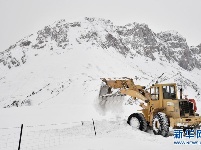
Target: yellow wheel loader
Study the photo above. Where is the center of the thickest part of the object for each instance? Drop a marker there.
(161, 107)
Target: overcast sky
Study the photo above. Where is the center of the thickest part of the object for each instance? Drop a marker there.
(19, 18)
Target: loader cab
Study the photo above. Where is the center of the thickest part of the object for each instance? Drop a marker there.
(163, 91)
(161, 94)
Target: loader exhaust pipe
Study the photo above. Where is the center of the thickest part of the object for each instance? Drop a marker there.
(181, 93)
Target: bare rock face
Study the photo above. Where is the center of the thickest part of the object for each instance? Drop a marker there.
(57, 33)
(139, 38)
(173, 39)
(196, 50)
(129, 40)
(187, 57)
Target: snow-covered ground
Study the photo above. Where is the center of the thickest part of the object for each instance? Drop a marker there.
(113, 134)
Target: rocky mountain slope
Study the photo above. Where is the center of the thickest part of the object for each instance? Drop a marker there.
(131, 39)
(55, 58)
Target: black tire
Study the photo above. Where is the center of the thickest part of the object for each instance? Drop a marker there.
(142, 121)
(160, 124)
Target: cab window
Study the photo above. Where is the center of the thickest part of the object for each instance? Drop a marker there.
(154, 93)
(169, 92)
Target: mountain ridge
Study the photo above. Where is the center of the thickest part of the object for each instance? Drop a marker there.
(133, 38)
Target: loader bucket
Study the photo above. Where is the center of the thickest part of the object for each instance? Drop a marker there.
(110, 99)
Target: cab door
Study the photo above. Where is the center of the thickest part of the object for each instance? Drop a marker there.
(155, 102)
(154, 91)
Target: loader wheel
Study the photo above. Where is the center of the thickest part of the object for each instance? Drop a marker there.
(137, 120)
(160, 124)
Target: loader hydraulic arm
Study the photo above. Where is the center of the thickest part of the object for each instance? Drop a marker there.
(126, 86)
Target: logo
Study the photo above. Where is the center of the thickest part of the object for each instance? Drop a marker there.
(187, 137)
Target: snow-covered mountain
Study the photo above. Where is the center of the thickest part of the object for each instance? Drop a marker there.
(59, 69)
(63, 62)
